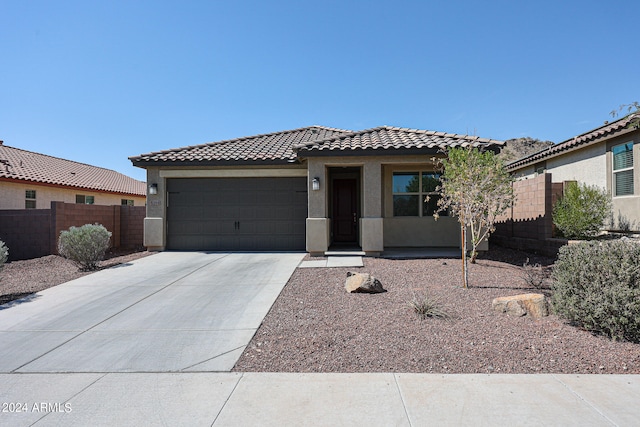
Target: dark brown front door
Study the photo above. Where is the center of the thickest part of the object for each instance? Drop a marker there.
(345, 211)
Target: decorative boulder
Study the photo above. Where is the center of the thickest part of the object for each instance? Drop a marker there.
(535, 305)
(363, 283)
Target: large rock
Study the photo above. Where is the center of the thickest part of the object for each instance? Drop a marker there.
(535, 305)
(363, 282)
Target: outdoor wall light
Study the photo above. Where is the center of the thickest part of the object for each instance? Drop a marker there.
(153, 189)
(315, 184)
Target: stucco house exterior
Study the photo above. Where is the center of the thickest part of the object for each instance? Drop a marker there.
(311, 188)
(607, 157)
(31, 180)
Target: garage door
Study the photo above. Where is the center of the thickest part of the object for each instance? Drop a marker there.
(237, 214)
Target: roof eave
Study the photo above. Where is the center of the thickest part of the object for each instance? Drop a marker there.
(564, 147)
(236, 162)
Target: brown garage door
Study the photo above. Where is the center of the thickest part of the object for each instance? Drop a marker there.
(236, 214)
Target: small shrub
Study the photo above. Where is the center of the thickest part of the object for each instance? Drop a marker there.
(582, 211)
(4, 254)
(596, 285)
(533, 275)
(84, 245)
(428, 307)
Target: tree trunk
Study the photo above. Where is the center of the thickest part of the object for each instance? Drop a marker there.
(465, 271)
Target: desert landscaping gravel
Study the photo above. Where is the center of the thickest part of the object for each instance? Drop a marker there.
(19, 279)
(316, 326)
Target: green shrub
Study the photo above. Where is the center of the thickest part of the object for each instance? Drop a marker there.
(596, 285)
(582, 211)
(84, 245)
(4, 254)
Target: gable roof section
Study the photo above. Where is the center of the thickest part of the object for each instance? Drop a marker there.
(21, 165)
(270, 148)
(286, 146)
(392, 140)
(608, 130)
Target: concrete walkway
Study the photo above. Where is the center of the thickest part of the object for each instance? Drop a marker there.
(148, 343)
(263, 399)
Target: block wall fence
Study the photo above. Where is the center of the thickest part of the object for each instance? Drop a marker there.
(32, 233)
(528, 225)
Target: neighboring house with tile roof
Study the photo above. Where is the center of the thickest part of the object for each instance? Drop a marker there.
(31, 180)
(607, 157)
(311, 188)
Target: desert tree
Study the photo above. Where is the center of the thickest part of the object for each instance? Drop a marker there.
(475, 187)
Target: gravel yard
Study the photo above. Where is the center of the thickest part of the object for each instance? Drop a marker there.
(316, 326)
(21, 278)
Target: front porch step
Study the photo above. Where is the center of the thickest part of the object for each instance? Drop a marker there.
(344, 253)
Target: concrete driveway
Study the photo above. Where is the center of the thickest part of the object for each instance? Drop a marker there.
(169, 312)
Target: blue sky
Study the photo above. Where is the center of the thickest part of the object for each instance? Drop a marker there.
(99, 81)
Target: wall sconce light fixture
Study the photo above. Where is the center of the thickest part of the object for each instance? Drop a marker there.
(315, 184)
(153, 189)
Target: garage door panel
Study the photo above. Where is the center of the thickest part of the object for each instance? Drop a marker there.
(237, 214)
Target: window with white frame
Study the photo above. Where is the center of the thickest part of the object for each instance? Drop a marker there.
(414, 193)
(30, 199)
(622, 169)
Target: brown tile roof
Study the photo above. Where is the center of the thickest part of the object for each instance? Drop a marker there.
(387, 138)
(21, 165)
(284, 147)
(596, 135)
(270, 148)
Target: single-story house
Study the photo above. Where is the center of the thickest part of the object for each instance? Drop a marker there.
(607, 157)
(31, 180)
(304, 189)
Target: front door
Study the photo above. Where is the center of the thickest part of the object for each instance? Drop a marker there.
(345, 211)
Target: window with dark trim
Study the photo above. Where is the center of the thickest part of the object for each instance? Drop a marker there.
(622, 169)
(415, 194)
(84, 200)
(30, 199)
(126, 202)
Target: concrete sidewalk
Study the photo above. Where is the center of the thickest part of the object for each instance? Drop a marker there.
(272, 399)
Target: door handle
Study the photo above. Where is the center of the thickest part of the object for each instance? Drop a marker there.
(355, 220)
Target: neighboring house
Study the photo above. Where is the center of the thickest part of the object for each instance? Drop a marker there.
(310, 188)
(31, 180)
(607, 157)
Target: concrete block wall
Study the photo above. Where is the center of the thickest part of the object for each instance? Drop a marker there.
(132, 226)
(26, 232)
(529, 223)
(32, 233)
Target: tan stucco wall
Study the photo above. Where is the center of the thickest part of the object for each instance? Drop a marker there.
(12, 196)
(417, 232)
(588, 166)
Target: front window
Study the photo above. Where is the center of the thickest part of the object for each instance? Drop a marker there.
(414, 193)
(30, 199)
(84, 200)
(126, 202)
(623, 169)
